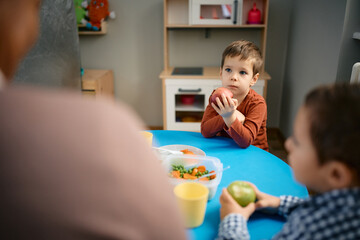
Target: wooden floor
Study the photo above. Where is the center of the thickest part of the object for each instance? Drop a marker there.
(276, 142)
(275, 139)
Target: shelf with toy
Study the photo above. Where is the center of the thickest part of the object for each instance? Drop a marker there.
(91, 16)
(84, 31)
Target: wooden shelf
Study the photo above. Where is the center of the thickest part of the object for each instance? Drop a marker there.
(98, 82)
(189, 108)
(171, 26)
(208, 73)
(102, 31)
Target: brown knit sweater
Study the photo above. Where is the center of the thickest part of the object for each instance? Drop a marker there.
(252, 132)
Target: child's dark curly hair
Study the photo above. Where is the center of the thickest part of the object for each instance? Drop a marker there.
(334, 112)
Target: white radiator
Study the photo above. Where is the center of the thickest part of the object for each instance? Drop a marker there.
(355, 74)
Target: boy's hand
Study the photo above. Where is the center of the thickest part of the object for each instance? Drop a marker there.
(229, 205)
(226, 108)
(265, 200)
(240, 116)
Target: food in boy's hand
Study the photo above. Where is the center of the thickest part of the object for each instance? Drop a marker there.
(187, 151)
(242, 192)
(218, 92)
(179, 171)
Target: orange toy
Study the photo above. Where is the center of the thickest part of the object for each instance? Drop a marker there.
(98, 12)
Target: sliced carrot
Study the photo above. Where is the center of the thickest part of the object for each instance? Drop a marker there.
(184, 151)
(201, 168)
(175, 174)
(194, 172)
(189, 176)
(204, 179)
(187, 151)
(212, 176)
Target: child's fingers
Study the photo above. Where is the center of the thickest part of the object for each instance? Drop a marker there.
(261, 204)
(226, 197)
(259, 195)
(225, 101)
(219, 103)
(215, 107)
(251, 207)
(236, 102)
(254, 187)
(230, 101)
(223, 196)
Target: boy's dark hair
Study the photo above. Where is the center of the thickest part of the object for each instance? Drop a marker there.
(245, 50)
(334, 115)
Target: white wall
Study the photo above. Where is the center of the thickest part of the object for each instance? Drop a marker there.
(313, 52)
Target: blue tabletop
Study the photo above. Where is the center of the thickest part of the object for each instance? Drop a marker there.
(269, 173)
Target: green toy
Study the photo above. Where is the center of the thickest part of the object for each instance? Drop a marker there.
(81, 11)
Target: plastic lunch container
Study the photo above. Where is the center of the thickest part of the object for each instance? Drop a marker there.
(190, 161)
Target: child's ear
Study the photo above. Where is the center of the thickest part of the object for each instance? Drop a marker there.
(220, 71)
(254, 79)
(339, 175)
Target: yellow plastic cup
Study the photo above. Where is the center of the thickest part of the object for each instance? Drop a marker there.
(148, 136)
(192, 199)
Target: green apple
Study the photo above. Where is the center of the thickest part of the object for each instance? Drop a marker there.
(242, 192)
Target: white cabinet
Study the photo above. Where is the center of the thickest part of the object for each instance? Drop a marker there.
(186, 100)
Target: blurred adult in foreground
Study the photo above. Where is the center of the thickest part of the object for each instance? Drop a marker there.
(72, 168)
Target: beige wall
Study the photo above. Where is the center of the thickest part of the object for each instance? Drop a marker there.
(133, 48)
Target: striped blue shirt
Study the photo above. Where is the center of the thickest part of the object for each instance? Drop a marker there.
(332, 215)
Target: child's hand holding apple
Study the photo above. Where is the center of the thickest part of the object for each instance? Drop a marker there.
(230, 205)
(225, 105)
(239, 197)
(218, 94)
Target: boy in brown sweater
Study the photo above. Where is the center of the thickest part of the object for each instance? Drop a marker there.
(242, 117)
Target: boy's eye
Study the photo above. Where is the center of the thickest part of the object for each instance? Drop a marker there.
(227, 70)
(243, 73)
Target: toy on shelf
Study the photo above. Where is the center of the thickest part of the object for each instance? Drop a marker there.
(81, 11)
(98, 12)
(254, 16)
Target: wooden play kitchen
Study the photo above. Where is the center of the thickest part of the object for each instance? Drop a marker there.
(188, 85)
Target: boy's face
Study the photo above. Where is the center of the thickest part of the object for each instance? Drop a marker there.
(237, 75)
(302, 155)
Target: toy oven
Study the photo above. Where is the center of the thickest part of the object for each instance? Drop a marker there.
(220, 12)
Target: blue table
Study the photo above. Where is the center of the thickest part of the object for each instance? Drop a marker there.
(269, 173)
